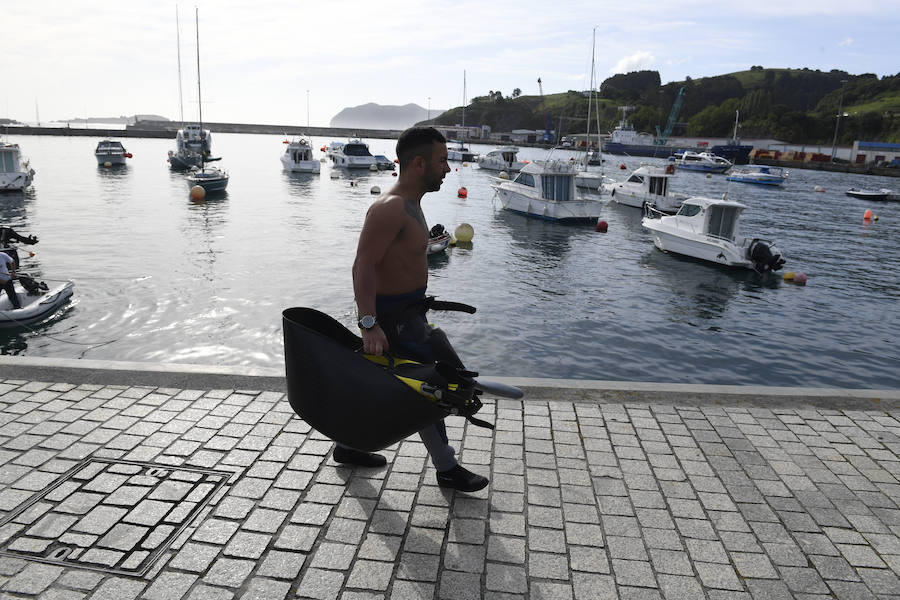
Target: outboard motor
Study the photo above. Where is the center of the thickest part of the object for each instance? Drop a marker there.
(765, 256)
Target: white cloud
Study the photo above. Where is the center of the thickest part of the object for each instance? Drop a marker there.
(846, 41)
(635, 62)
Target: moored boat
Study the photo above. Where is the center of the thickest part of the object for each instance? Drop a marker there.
(647, 185)
(457, 151)
(547, 190)
(16, 173)
(759, 174)
(709, 229)
(869, 194)
(703, 162)
(502, 159)
(211, 179)
(298, 157)
(111, 152)
(352, 155)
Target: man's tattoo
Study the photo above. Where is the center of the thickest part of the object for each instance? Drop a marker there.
(415, 211)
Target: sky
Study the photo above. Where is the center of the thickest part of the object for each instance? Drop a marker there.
(301, 62)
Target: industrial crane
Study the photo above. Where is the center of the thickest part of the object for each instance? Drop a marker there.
(662, 138)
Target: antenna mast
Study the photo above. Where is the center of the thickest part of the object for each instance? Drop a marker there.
(199, 99)
(178, 42)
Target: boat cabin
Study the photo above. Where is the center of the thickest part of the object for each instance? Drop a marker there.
(715, 218)
(300, 151)
(10, 158)
(110, 147)
(552, 180)
(356, 148)
(653, 180)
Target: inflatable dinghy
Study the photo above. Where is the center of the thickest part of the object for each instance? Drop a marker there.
(364, 401)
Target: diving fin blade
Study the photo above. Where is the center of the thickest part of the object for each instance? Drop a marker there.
(495, 388)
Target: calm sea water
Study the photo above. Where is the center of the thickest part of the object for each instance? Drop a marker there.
(161, 279)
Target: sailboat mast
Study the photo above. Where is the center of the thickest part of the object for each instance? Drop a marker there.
(199, 99)
(178, 42)
(587, 135)
(737, 115)
(464, 104)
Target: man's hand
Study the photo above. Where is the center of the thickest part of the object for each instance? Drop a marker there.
(374, 340)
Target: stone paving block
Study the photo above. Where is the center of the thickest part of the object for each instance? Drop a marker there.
(370, 575)
(505, 578)
(718, 576)
(330, 555)
(833, 567)
(588, 586)
(168, 585)
(633, 573)
(118, 588)
(418, 567)
(464, 557)
(320, 584)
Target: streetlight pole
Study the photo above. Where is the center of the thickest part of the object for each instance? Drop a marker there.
(429, 109)
(838, 122)
(307, 109)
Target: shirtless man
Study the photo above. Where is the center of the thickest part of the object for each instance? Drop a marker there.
(390, 275)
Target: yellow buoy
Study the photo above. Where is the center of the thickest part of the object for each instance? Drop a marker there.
(465, 164)
(503, 175)
(464, 232)
(107, 164)
(198, 193)
(788, 275)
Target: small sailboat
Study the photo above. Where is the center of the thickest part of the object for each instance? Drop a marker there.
(211, 179)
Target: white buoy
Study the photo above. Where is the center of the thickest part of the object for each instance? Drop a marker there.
(335, 175)
(375, 190)
(373, 167)
(503, 175)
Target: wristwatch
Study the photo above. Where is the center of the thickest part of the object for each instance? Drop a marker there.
(367, 322)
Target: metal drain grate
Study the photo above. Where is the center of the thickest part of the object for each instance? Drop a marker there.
(114, 516)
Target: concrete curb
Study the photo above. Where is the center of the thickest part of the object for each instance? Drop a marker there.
(190, 376)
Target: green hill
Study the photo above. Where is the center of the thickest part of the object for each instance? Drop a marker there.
(795, 105)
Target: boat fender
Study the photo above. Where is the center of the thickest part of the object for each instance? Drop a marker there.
(670, 169)
(612, 193)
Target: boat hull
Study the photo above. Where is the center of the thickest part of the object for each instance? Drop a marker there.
(870, 194)
(183, 161)
(548, 210)
(707, 248)
(34, 308)
(353, 162)
(302, 166)
(15, 182)
(703, 168)
(113, 159)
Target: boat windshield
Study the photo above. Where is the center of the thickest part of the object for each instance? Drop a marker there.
(556, 187)
(635, 179)
(525, 179)
(356, 150)
(722, 220)
(689, 210)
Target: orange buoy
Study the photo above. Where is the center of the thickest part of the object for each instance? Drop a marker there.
(322, 148)
(602, 226)
(462, 192)
(867, 216)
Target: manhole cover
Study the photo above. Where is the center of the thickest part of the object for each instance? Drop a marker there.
(114, 516)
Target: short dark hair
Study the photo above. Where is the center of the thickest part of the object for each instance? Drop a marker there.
(417, 141)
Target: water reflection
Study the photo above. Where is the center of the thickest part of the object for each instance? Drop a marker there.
(205, 219)
(541, 242)
(300, 184)
(13, 205)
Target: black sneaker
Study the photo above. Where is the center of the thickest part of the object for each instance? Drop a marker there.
(350, 456)
(461, 479)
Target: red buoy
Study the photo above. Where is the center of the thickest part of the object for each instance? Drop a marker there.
(602, 226)
(462, 192)
(622, 166)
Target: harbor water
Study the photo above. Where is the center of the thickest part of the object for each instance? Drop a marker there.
(159, 278)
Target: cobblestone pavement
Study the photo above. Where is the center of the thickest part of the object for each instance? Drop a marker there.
(117, 492)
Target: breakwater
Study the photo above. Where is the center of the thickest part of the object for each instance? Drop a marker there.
(856, 169)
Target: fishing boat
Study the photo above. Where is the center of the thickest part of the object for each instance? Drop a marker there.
(647, 185)
(546, 190)
(193, 147)
(502, 159)
(384, 163)
(298, 157)
(709, 229)
(759, 174)
(438, 240)
(703, 162)
(35, 306)
(869, 194)
(15, 172)
(352, 155)
(111, 152)
(592, 180)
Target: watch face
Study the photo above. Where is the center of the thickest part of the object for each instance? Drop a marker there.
(367, 322)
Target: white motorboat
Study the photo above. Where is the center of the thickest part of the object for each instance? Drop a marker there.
(15, 172)
(759, 174)
(111, 152)
(592, 180)
(502, 159)
(457, 151)
(866, 194)
(384, 163)
(704, 162)
(331, 148)
(438, 240)
(36, 306)
(211, 179)
(353, 155)
(647, 185)
(709, 229)
(298, 157)
(546, 190)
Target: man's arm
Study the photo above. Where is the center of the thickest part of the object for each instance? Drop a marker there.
(383, 224)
